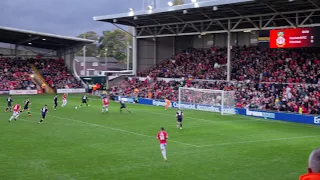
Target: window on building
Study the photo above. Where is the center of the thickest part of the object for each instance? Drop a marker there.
(95, 64)
(82, 73)
(82, 64)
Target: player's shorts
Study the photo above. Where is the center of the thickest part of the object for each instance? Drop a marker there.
(15, 114)
(123, 106)
(106, 106)
(55, 102)
(26, 107)
(179, 120)
(163, 146)
(43, 115)
(84, 101)
(64, 100)
(9, 105)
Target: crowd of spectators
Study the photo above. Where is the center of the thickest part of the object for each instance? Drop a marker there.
(56, 74)
(15, 74)
(266, 96)
(248, 63)
(270, 79)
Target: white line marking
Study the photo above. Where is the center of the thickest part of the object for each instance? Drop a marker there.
(77, 125)
(116, 129)
(256, 141)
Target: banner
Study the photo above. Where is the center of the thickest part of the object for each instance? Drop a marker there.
(21, 92)
(289, 117)
(71, 90)
(4, 92)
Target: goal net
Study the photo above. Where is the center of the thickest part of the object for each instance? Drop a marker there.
(207, 100)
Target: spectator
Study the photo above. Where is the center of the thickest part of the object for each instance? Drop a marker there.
(313, 166)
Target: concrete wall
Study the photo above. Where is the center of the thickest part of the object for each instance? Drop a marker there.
(165, 48)
(146, 53)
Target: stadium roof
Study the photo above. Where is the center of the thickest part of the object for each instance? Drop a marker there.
(219, 16)
(40, 40)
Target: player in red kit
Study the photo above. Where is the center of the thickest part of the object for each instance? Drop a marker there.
(16, 112)
(162, 137)
(105, 102)
(64, 100)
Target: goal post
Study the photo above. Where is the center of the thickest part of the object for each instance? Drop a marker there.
(207, 100)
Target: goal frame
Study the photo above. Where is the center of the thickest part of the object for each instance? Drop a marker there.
(206, 90)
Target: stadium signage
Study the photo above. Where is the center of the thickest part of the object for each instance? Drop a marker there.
(289, 117)
(4, 92)
(316, 120)
(71, 90)
(129, 100)
(22, 92)
(260, 114)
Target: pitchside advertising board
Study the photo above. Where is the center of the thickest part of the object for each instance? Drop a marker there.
(71, 91)
(290, 38)
(297, 118)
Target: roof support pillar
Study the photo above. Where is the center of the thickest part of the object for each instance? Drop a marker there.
(16, 50)
(155, 51)
(134, 51)
(229, 51)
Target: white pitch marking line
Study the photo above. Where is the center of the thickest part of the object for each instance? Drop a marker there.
(77, 125)
(121, 130)
(256, 141)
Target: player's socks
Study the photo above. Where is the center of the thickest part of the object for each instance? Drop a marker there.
(180, 125)
(164, 154)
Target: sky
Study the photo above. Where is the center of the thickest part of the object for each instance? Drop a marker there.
(66, 17)
(62, 17)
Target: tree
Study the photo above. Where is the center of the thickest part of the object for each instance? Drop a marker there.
(91, 49)
(178, 2)
(115, 42)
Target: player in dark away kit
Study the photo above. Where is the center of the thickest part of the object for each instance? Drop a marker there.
(84, 100)
(9, 100)
(26, 106)
(179, 115)
(44, 111)
(55, 102)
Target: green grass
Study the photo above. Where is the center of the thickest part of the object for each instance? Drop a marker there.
(85, 144)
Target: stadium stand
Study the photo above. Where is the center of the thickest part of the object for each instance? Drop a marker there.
(263, 78)
(56, 73)
(15, 74)
(248, 63)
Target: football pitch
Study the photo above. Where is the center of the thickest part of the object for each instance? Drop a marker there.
(85, 144)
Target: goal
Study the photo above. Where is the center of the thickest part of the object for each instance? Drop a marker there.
(207, 100)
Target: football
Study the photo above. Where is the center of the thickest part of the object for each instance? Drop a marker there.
(76, 107)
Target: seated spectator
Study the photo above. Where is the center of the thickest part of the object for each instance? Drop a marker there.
(313, 166)
(15, 74)
(56, 74)
(252, 64)
(266, 96)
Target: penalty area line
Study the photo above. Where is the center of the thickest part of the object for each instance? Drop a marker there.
(121, 130)
(256, 141)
